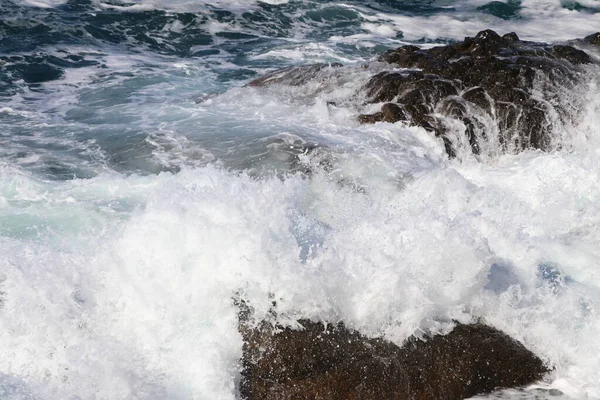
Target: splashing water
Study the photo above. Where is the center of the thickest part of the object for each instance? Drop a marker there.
(142, 186)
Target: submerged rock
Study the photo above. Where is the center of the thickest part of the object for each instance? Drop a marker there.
(293, 76)
(325, 361)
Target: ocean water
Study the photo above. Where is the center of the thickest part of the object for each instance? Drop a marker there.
(143, 186)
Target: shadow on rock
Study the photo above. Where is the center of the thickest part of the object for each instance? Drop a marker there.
(330, 361)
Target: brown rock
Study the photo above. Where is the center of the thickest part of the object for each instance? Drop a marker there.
(511, 37)
(571, 54)
(370, 118)
(325, 361)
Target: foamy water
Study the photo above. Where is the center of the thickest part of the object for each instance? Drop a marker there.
(142, 191)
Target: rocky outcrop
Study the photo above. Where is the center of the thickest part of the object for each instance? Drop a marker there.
(330, 361)
(499, 78)
(484, 85)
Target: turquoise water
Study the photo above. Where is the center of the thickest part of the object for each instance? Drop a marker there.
(142, 185)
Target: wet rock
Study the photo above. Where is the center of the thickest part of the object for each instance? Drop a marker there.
(511, 82)
(293, 76)
(455, 107)
(458, 108)
(331, 361)
(403, 86)
(370, 118)
(478, 96)
(571, 54)
(593, 39)
(404, 55)
(511, 37)
(495, 73)
(390, 112)
(416, 92)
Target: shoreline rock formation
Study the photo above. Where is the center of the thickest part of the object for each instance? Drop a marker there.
(489, 84)
(484, 85)
(488, 75)
(331, 362)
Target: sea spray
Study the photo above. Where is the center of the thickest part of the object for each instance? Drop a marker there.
(144, 186)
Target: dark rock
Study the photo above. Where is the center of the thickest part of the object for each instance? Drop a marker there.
(330, 361)
(478, 96)
(404, 55)
(386, 86)
(593, 39)
(418, 93)
(498, 73)
(511, 37)
(457, 108)
(370, 118)
(486, 43)
(293, 76)
(390, 112)
(454, 107)
(571, 54)
(535, 124)
(502, 77)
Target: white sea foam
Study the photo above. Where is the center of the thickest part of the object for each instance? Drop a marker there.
(536, 17)
(171, 5)
(44, 3)
(129, 279)
(184, 5)
(307, 53)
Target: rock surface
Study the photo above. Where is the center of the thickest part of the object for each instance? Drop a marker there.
(325, 361)
(593, 39)
(485, 85)
(503, 78)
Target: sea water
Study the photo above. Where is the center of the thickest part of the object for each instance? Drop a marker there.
(143, 186)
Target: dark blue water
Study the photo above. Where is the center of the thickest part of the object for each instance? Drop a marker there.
(43, 49)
